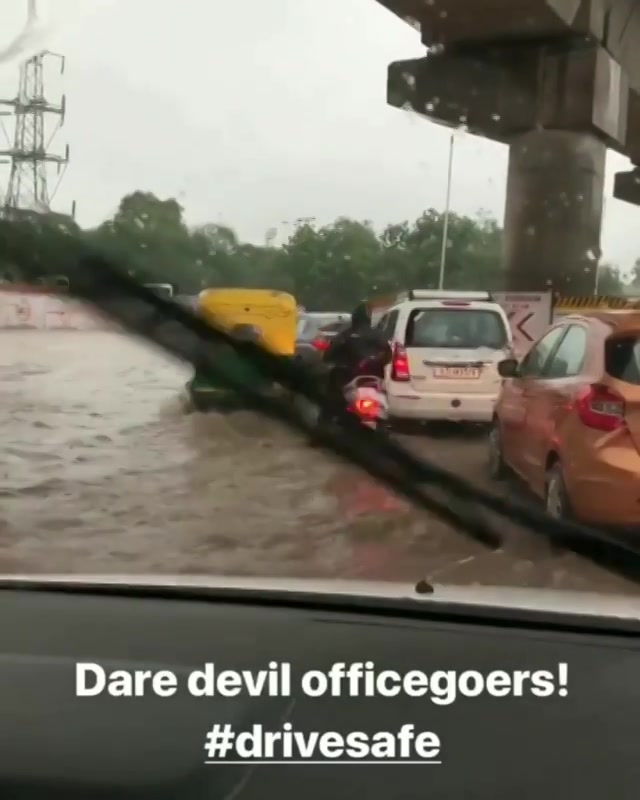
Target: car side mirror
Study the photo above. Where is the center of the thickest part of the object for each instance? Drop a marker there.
(509, 368)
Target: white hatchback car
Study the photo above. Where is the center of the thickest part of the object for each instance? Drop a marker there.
(446, 347)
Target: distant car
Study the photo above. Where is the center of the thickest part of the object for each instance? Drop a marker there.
(309, 323)
(316, 330)
(568, 422)
(316, 347)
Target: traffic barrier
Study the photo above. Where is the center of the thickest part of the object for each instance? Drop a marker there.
(602, 302)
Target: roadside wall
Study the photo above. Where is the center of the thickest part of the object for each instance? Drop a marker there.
(32, 308)
(39, 308)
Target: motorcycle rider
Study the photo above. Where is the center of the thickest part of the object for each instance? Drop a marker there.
(360, 349)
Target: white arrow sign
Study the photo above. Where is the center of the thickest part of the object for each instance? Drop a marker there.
(529, 315)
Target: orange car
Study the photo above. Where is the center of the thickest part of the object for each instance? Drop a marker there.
(568, 419)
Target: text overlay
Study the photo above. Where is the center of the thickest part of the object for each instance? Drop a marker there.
(358, 679)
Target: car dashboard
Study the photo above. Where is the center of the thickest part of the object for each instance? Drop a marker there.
(58, 745)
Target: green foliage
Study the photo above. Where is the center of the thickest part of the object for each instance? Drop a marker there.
(327, 268)
(37, 244)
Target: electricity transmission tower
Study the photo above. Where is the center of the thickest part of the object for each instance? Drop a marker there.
(28, 154)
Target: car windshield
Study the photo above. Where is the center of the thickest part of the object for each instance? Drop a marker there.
(300, 158)
(462, 329)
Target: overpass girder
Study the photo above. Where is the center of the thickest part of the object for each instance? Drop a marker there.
(511, 66)
(503, 92)
(480, 21)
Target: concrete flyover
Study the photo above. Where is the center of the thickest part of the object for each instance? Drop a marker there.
(559, 82)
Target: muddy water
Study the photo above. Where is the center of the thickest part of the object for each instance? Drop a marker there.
(102, 471)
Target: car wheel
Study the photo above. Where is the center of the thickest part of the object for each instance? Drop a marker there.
(497, 465)
(556, 499)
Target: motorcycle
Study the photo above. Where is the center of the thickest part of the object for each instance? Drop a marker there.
(367, 399)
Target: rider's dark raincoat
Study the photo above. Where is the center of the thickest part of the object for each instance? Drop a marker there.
(358, 350)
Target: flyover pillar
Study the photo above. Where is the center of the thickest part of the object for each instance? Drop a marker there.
(557, 81)
(553, 211)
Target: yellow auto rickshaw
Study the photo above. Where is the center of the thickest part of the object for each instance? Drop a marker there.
(264, 316)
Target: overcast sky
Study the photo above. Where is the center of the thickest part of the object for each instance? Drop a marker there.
(257, 112)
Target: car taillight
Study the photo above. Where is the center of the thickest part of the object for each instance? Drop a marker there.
(320, 343)
(399, 364)
(366, 407)
(600, 408)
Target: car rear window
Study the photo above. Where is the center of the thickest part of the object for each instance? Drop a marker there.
(467, 328)
(622, 359)
(332, 328)
(310, 327)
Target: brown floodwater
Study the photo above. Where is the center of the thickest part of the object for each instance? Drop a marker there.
(103, 471)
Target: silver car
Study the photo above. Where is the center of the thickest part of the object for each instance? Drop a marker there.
(314, 331)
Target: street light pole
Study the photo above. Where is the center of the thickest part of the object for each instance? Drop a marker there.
(598, 265)
(445, 227)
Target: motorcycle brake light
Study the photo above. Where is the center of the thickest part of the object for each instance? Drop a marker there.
(366, 407)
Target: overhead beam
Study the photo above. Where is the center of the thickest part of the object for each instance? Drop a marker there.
(501, 92)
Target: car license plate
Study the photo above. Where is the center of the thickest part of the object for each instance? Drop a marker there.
(457, 373)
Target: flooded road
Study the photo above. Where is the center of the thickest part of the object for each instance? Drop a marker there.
(102, 471)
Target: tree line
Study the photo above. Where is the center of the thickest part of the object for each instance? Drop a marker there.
(326, 268)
